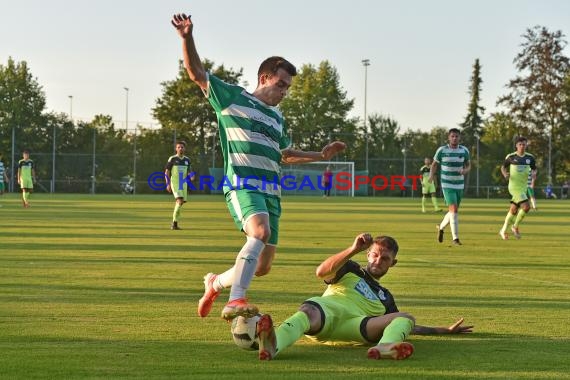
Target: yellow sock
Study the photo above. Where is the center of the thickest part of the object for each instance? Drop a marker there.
(520, 216)
(397, 331)
(291, 330)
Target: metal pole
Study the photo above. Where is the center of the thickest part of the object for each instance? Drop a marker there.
(214, 150)
(366, 63)
(53, 162)
(94, 165)
(550, 156)
(70, 107)
(134, 139)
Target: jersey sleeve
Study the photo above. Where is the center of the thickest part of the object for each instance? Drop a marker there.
(219, 93)
(349, 266)
(437, 155)
(467, 156)
(169, 164)
(507, 162)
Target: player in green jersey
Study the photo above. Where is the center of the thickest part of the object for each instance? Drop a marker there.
(254, 142)
(354, 309)
(454, 161)
(428, 188)
(26, 177)
(516, 169)
(176, 172)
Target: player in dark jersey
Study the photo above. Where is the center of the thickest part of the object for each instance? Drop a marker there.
(516, 169)
(176, 172)
(354, 308)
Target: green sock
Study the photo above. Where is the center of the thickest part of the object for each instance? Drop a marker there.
(397, 331)
(520, 216)
(291, 330)
(435, 205)
(423, 204)
(176, 212)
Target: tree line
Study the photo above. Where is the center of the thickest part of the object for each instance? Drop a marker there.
(536, 105)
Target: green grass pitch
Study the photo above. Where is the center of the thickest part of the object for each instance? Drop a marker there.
(99, 287)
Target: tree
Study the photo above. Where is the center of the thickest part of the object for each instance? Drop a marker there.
(316, 108)
(22, 102)
(471, 126)
(184, 108)
(536, 99)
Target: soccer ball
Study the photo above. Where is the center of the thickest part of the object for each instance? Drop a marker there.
(244, 332)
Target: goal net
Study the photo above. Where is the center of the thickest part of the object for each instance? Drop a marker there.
(307, 179)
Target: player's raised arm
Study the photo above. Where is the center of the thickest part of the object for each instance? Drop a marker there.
(328, 268)
(192, 62)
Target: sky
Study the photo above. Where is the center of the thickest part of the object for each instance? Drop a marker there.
(84, 53)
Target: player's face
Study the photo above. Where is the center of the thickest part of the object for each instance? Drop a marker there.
(25, 155)
(275, 86)
(180, 149)
(427, 161)
(454, 139)
(521, 147)
(379, 261)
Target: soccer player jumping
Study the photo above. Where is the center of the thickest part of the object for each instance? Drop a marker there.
(254, 142)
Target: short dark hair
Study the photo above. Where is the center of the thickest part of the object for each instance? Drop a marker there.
(181, 142)
(26, 151)
(454, 130)
(520, 139)
(387, 242)
(272, 64)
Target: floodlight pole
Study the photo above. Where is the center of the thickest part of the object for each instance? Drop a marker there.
(366, 63)
(70, 107)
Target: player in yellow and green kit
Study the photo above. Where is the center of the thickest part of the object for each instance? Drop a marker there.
(427, 186)
(354, 309)
(26, 177)
(516, 169)
(176, 172)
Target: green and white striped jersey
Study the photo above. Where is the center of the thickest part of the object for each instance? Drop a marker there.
(252, 136)
(451, 160)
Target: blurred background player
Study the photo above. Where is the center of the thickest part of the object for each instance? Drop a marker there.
(516, 169)
(3, 177)
(26, 177)
(428, 187)
(177, 170)
(327, 181)
(454, 161)
(354, 309)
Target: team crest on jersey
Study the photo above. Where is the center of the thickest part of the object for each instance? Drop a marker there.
(527, 161)
(381, 295)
